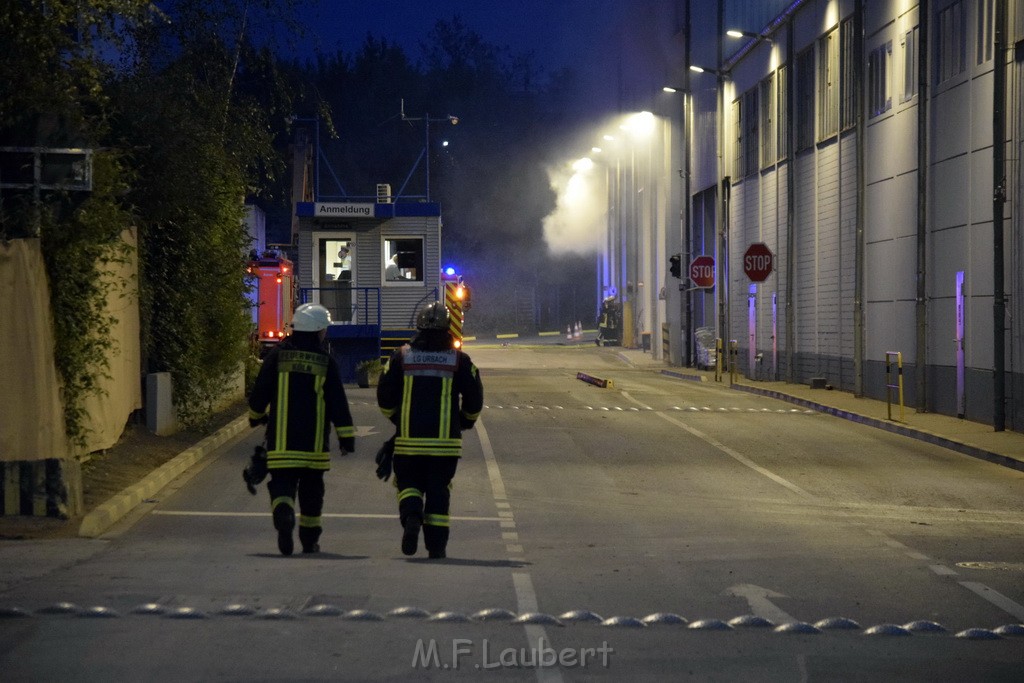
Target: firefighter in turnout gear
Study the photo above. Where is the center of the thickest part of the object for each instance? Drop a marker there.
(431, 392)
(298, 394)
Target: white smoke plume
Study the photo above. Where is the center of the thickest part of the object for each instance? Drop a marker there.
(578, 223)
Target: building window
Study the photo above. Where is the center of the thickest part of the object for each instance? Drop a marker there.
(782, 119)
(879, 92)
(805, 99)
(737, 169)
(403, 260)
(986, 30)
(910, 64)
(951, 48)
(828, 84)
(848, 82)
(750, 131)
(769, 136)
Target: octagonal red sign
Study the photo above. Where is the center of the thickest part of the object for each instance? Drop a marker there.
(702, 271)
(758, 262)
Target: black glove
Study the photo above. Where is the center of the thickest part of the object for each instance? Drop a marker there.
(383, 459)
(256, 471)
(466, 423)
(260, 421)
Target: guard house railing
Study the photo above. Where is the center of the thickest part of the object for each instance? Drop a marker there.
(348, 305)
(355, 331)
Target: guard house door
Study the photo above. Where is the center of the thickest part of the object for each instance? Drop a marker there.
(334, 273)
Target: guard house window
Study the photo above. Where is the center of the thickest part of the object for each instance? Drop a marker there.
(879, 93)
(403, 260)
(951, 49)
(910, 64)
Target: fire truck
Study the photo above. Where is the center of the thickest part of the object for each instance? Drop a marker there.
(273, 290)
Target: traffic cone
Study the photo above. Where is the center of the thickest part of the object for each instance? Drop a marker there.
(578, 333)
(568, 333)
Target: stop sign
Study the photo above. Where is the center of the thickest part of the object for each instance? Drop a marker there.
(758, 261)
(702, 271)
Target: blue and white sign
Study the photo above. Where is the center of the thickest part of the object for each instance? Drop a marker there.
(343, 210)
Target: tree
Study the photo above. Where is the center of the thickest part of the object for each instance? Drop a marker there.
(198, 109)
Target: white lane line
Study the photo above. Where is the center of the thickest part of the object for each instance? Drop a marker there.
(738, 457)
(526, 597)
(497, 486)
(630, 398)
(526, 601)
(996, 598)
(331, 515)
(942, 570)
(917, 556)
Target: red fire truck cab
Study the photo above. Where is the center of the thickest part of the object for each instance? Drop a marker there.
(274, 293)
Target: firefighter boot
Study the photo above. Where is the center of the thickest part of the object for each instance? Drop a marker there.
(435, 538)
(309, 537)
(284, 522)
(410, 513)
(411, 534)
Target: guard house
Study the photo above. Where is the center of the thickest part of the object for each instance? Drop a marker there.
(373, 265)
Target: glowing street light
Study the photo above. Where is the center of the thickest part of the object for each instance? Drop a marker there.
(707, 69)
(737, 33)
(583, 165)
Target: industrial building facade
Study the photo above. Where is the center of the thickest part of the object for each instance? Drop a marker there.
(858, 144)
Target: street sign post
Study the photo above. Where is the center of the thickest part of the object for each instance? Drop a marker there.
(702, 271)
(758, 262)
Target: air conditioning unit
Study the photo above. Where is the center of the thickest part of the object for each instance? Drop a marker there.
(383, 193)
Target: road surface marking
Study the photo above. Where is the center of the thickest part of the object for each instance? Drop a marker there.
(996, 598)
(760, 604)
(332, 515)
(738, 457)
(526, 597)
(942, 570)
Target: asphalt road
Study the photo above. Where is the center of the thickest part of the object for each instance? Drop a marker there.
(624, 527)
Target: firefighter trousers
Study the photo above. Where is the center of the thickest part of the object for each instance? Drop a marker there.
(309, 484)
(424, 490)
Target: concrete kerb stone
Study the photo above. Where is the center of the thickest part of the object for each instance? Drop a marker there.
(105, 515)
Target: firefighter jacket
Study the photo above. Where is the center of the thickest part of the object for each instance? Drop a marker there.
(421, 390)
(298, 394)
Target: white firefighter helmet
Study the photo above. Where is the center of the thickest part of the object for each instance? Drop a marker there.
(434, 316)
(311, 318)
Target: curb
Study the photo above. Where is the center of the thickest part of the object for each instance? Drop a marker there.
(115, 508)
(919, 434)
(680, 375)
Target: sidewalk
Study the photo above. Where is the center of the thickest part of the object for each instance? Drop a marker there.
(963, 436)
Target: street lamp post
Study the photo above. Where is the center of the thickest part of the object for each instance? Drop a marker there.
(427, 120)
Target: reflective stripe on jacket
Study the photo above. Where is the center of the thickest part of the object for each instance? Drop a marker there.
(299, 389)
(430, 396)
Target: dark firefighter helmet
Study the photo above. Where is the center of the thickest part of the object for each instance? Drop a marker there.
(434, 316)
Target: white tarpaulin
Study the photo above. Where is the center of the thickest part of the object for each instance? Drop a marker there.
(31, 414)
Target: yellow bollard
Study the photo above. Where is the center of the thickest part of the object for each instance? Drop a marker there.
(889, 386)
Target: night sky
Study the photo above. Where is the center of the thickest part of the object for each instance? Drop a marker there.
(559, 32)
